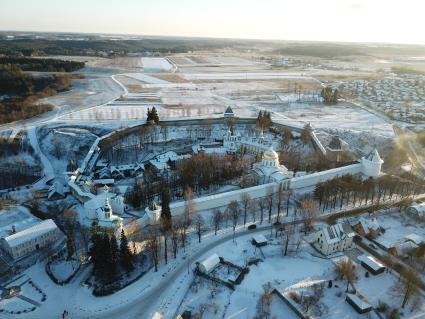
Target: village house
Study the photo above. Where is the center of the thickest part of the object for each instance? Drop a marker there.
(332, 239)
(367, 227)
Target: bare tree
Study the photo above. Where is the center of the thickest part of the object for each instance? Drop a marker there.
(261, 205)
(346, 269)
(289, 193)
(279, 197)
(175, 239)
(309, 208)
(270, 196)
(263, 306)
(152, 244)
(289, 229)
(233, 208)
(216, 220)
(199, 224)
(407, 286)
(245, 200)
(253, 209)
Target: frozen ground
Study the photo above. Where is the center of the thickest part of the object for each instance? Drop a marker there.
(156, 65)
(397, 225)
(343, 117)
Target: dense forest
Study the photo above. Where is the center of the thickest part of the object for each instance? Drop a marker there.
(100, 47)
(19, 91)
(42, 65)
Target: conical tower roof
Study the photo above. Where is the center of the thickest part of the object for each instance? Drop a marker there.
(373, 156)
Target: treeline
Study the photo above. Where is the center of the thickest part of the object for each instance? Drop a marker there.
(41, 65)
(94, 46)
(200, 172)
(20, 92)
(400, 70)
(352, 190)
(15, 82)
(206, 170)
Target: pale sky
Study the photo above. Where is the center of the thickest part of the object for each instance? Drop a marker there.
(318, 20)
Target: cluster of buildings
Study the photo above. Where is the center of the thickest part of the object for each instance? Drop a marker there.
(401, 98)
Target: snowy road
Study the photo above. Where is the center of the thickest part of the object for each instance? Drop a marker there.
(47, 166)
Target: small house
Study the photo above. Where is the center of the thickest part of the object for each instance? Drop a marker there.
(374, 266)
(367, 227)
(417, 211)
(209, 264)
(414, 238)
(334, 238)
(259, 240)
(358, 303)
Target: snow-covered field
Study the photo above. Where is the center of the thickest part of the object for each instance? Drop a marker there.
(341, 117)
(156, 65)
(244, 76)
(397, 225)
(146, 78)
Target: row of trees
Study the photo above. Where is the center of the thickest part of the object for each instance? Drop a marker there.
(23, 90)
(199, 172)
(108, 256)
(264, 120)
(352, 190)
(41, 65)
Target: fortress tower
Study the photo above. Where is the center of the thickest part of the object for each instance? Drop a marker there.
(371, 164)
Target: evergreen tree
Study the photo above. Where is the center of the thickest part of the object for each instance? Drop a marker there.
(107, 271)
(113, 244)
(126, 257)
(69, 241)
(165, 202)
(154, 115)
(148, 116)
(95, 252)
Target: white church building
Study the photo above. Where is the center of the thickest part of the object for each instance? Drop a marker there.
(100, 210)
(270, 170)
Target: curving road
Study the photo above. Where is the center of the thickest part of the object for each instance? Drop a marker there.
(149, 298)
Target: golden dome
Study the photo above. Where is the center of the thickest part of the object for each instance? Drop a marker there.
(270, 154)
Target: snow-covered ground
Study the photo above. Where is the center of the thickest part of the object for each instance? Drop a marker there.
(244, 76)
(146, 78)
(156, 65)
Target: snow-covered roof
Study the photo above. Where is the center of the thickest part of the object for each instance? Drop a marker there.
(370, 224)
(371, 261)
(387, 244)
(104, 181)
(373, 156)
(18, 217)
(335, 233)
(32, 232)
(418, 208)
(229, 111)
(414, 238)
(361, 304)
(403, 248)
(210, 263)
(259, 239)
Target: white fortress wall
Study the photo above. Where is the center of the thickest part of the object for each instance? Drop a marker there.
(223, 199)
(317, 142)
(315, 178)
